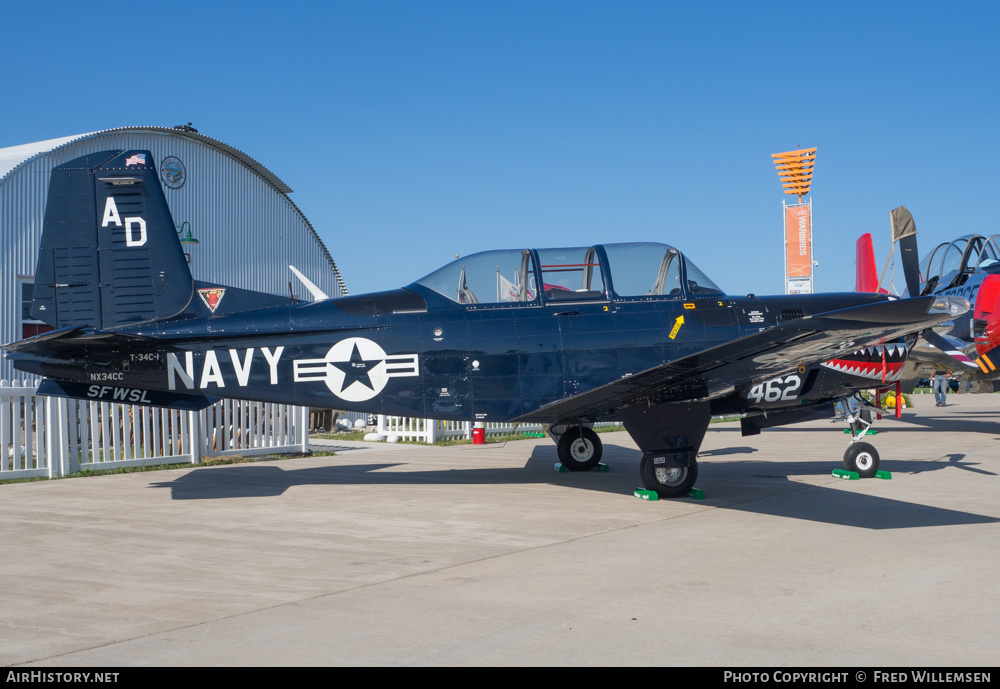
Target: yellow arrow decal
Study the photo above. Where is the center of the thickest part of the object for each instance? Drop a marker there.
(677, 327)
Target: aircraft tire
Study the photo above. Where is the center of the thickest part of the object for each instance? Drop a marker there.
(862, 458)
(673, 482)
(580, 449)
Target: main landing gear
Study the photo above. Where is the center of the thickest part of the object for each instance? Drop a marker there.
(862, 457)
(668, 481)
(671, 474)
(579, 448)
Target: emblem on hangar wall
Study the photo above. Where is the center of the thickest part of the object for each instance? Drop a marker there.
(172, 172)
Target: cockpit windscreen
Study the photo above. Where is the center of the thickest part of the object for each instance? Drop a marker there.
(642, 269)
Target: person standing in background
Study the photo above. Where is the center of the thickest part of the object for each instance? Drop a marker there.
(940, 388)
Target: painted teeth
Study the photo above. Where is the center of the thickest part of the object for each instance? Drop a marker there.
(896, 352)
(871, 370)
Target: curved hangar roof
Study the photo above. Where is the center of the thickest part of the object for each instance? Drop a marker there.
(248, 229)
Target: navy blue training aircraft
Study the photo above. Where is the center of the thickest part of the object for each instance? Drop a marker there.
(566, 337)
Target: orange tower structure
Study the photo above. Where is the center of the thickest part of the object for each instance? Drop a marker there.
(795, 170)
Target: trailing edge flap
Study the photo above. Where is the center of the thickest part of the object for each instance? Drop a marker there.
(125, 395)
(758, 357)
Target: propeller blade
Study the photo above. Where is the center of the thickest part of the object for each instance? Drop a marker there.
(904, 231)
(952, 349)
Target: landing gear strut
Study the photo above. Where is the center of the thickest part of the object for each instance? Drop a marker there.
(860, 456)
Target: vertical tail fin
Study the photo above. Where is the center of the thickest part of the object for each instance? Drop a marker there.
(865, 270)
(109, 253)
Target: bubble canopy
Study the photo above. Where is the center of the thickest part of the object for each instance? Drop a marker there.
(628, 271)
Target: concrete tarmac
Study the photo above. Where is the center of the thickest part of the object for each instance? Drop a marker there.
(484, 555)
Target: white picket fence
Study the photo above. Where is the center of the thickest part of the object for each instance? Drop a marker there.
(54, 436)
(430, 430)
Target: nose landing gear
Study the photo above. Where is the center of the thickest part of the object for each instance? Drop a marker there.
(860, 456)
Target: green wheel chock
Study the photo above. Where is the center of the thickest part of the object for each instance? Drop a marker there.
(845, 474)
(561, 469)
(883, 474)
(602, 467)
(646, 494)
(696, 493)
(848, 430)
(532, 434)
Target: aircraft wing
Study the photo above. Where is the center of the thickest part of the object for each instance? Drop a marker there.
(715, 371)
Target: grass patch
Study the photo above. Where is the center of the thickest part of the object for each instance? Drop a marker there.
(343, 435)
(29, 479)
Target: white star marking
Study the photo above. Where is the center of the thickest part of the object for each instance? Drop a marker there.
(380, 368)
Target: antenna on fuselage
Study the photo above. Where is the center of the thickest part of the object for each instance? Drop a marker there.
(316, 292)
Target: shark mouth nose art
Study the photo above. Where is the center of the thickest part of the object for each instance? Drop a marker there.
(882, 363)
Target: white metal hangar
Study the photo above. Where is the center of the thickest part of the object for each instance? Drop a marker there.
(236, 221)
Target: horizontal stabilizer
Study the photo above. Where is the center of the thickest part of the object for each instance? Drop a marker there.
(124, 395)
(57, 341)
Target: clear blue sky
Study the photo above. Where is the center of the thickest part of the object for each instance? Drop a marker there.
(413, 131)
